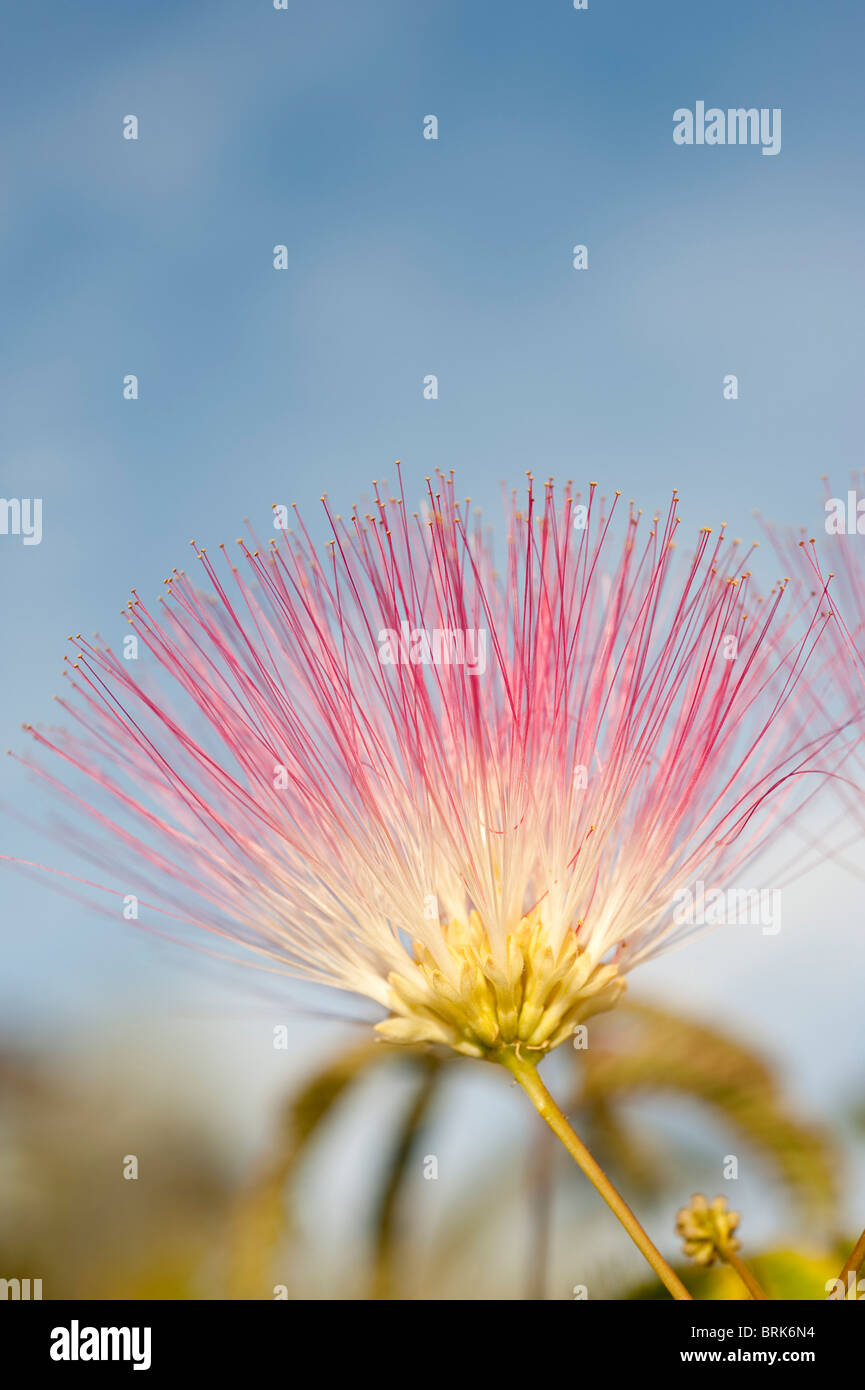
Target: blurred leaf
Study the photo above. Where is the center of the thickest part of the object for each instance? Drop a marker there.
(857, 1116)
(63, 1132)
(648, 1051)
(618, 1148)
(259, 1216)
(543, 1155)
(260, 1213)
(638, 1051)
(385, 1224)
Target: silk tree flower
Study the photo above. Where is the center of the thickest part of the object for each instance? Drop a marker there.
(831, 563)
(468, 787)
(314, 763)
(843, 549)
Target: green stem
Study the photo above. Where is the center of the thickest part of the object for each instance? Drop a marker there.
(744, 1273)
(526, 1074)
(855, 1262)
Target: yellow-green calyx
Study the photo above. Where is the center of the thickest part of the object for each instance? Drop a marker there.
(533, 999)
(707, 1229)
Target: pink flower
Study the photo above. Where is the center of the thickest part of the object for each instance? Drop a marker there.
(468, 793)
(842, 549)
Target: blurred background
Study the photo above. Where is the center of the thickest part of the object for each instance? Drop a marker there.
(304, 1166)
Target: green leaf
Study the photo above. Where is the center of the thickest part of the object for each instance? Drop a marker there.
(387, 1205)
(642, 1050)
(259, 1217)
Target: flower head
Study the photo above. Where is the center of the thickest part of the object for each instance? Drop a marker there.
(707, 1229)
(469, 793)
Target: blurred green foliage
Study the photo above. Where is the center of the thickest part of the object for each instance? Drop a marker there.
(638, 1052)
(193, 1231)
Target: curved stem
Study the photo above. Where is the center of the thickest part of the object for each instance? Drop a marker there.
(855, 1262)
(526, 1074)
(744, 1273)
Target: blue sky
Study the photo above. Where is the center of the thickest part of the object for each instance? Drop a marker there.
(408, 257)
